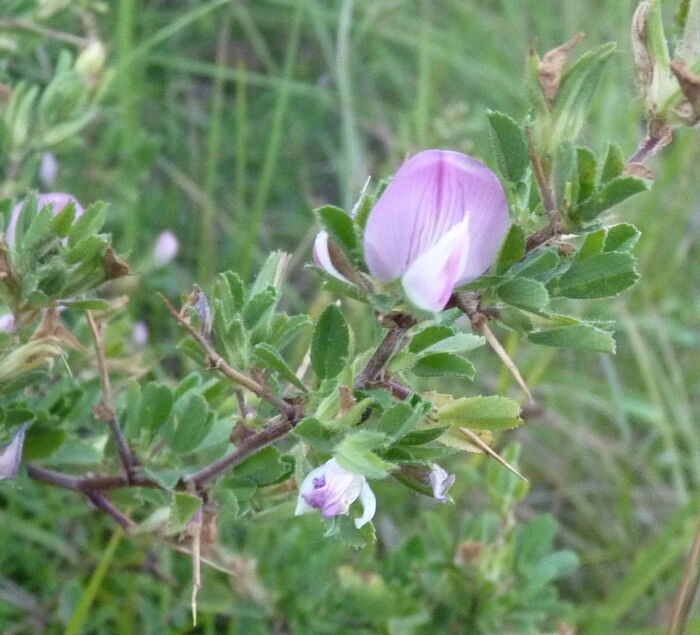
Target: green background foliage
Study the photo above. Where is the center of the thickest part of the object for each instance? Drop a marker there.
(227, 122)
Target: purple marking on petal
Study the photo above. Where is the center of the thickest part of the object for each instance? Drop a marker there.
(431, 193)
(319, 482)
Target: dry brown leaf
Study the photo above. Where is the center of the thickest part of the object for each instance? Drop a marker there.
(550, 68)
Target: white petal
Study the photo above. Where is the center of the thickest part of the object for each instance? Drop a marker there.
(369, 505)
(430, 280)
(322, 256)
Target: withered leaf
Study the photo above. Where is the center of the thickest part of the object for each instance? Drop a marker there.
(550, 68)
(114, 266)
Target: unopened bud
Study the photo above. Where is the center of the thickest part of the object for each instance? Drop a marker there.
(165, 249)
(11, 454)
(139, 334)
(48, 170)
(91, 60)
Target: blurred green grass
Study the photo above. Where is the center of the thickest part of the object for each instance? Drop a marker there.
(227, 122)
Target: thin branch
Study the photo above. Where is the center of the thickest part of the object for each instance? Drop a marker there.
(87, 483)
(216, 362)
(105, 411)
(248, 446)
(550, 206)
(26, 25)
(681, 603)
(102, 502)
(392, 342)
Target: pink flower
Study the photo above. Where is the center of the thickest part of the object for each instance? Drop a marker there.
(57, 200)
(11, 454)
(437, 226)
(165, 249)
(332, 489)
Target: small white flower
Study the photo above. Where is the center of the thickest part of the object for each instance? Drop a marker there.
(331, 489)
(11, 454)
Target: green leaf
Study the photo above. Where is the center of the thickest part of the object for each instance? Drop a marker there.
(459, 343)
(586, 165)
(540, 264)
(63, 221)
(581, 336)
(401, 418)
(40, 228)
(340, 227)
(515, 319)
(592, 244)
(524, 293)
(267, 276)
(444, 365)
(481, 413)
(182, 508)
(578, 86)
(166, 478)
(192, 422)
(621, 237)
(88, 224)
(598, 276)
(612, 193)
(614, 164)
(354, 453)
(257, 307)
(267, 356)
(265, 467)
(156, 403)
(330, 343)
(512, 249)
(41, 443)
(336, 286)
(312, 432)
(509, 144)
(563, 172)
(429, 336)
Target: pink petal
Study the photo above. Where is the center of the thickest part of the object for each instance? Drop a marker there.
(58, 200)
(430, 280)
(430, 194)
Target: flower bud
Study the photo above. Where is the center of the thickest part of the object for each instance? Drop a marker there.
(11, 454)
(431, 479)
(91, 60)
(139, 334)
(7, 322)
(165, 249)
(48, 170)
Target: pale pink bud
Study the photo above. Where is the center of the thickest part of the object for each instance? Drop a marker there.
(139, 334)
(11, 454)
(48, 170)
(165, 249)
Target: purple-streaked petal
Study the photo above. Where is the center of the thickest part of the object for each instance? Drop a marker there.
(322, 256)
(369, 505)
(11, 454)
(431, 193)
(165, 249)
(329, 488)
(58, 200)
(431, 278)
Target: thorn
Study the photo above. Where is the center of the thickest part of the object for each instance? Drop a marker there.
(505, 358)
(474, 438)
